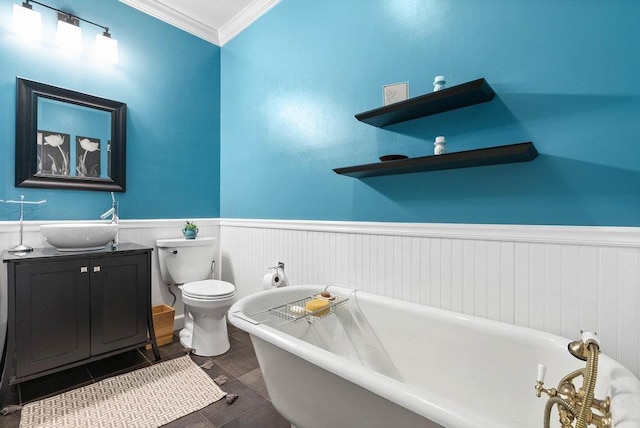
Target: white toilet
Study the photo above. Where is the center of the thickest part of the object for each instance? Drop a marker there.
(188, 263)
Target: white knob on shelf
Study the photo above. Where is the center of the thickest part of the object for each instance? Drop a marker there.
(439, 146)
(542, 371)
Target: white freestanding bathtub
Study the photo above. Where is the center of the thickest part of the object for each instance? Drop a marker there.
(380, 362)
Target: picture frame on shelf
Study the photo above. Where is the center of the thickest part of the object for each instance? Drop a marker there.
(88, 156)
(395, 92)
(53, 153)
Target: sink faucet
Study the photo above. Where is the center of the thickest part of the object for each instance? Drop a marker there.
(113, 212)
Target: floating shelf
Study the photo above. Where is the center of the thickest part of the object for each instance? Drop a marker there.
(521, 152)
(464, 95)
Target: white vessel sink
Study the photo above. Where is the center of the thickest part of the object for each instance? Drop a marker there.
(79, 236)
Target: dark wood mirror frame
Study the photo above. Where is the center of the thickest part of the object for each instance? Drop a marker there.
(28, 92)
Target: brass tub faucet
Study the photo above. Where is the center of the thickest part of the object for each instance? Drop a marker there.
(576, 404)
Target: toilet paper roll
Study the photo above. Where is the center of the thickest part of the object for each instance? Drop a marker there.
(271, 280)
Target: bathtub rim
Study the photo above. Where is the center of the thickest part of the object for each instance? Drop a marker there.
(417, 400)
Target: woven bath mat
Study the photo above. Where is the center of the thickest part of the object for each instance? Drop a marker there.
(145, 398)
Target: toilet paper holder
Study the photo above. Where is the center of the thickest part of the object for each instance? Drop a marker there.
(279, 266)
(277, 279)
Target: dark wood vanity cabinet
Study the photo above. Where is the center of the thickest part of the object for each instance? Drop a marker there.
(70, 309)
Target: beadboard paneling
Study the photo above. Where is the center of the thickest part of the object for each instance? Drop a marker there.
(556, 279)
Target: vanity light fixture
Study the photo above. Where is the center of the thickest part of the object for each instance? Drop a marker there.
(28, 23)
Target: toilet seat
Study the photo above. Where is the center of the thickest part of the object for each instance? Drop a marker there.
(209, 289)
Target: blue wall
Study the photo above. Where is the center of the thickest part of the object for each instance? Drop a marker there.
(566, 74)
(170, 81)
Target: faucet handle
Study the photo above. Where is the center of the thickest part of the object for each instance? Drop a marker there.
(109, 212)
(542, 371)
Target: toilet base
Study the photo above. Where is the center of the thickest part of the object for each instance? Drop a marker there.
(211, 340)
(185, 338)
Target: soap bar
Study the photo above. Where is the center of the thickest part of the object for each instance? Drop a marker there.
(297, 310)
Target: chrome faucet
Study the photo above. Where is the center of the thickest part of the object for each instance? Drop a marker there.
(115, 218)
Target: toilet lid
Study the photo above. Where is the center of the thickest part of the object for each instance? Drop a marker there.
(210, 288)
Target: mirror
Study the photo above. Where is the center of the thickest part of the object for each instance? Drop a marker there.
(69, 140)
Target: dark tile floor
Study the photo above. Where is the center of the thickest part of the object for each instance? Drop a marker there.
(252, 409)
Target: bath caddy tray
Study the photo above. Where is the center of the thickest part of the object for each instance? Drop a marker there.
(295, 311)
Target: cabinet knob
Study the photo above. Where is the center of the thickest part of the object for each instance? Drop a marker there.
(84, 269)
(96, 268)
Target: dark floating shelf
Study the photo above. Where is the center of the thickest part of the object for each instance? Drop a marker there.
(521, 152)
(464, 95)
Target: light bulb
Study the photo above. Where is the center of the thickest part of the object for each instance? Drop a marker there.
(68, 35)
(27, 22)
(106, 49)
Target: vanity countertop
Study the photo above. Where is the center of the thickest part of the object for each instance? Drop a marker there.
(51, 252)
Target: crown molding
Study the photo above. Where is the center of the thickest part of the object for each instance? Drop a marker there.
(218, 37)
(175, 18)
(245, 18)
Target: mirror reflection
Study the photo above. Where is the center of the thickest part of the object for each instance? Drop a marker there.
(72, 140)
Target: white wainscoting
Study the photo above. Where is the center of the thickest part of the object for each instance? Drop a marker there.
(556, 279)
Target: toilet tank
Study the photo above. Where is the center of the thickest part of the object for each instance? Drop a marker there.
(185, 260)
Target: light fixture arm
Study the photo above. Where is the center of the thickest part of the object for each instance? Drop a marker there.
(69, 16)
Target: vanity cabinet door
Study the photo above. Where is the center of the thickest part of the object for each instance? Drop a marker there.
(52, 314)
(119, 300)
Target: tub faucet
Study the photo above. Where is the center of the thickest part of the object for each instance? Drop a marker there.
(573, 403)
(115, 219)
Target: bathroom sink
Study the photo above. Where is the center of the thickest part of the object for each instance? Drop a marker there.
(79, 236)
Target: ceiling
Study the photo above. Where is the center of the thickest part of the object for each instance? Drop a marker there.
(216, 21)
